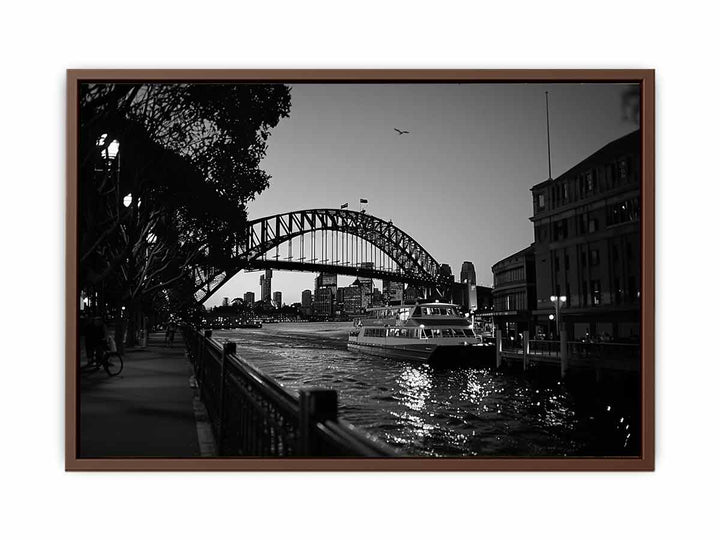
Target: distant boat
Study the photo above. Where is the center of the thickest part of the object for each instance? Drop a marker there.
(428, 332)
(253, 323)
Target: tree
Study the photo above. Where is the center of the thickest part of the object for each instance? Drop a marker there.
(166, 171)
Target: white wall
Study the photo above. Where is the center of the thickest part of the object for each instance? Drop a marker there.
(40, 42)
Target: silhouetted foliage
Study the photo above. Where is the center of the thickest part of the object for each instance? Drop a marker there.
(165, 172)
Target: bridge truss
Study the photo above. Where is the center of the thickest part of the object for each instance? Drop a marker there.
(345, 242)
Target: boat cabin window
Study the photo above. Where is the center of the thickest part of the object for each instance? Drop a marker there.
(374, 332)
(442, 311)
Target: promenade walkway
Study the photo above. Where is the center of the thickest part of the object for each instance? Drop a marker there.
(146, 411)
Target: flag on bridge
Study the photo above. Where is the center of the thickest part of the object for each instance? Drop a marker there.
(363, 201)
(344, 205)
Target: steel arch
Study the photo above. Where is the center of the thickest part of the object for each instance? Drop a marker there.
(262, 235)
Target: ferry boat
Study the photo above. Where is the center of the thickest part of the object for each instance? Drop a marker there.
(426, 332)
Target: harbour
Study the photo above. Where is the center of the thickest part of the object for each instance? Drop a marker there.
(472, 409)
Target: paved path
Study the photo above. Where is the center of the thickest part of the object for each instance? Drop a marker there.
(146, 411)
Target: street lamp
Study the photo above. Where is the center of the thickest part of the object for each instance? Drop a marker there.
(558, 301)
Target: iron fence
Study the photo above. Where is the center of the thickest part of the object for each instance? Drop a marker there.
(252, 415)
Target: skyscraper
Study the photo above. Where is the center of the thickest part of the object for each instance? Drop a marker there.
(277, 299)
(306, 298)
(249, 298)
(266, 286)
(467, 273)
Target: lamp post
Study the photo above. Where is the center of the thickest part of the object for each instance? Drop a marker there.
(558, 301)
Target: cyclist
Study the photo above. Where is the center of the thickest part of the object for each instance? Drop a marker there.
(95, 339)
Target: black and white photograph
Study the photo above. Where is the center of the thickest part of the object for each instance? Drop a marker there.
(339, 269)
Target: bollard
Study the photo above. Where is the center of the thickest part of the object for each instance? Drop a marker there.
(228, 348)
(498, 348)
(563, 354)
(526, 349)
(316, 405)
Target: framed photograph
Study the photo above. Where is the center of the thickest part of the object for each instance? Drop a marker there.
(360, 270)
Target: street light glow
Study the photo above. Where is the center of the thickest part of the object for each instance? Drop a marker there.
(113, 149)
(553, 298)
(563, 298)
(127, 200)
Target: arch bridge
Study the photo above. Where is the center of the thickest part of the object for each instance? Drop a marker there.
(344, 242)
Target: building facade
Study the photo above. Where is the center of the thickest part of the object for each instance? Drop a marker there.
(587, 244)
(249, 298)
(393, 291)
(277, 299)
(467, 273)
(514, 292)
(306, 301)
(266, 286)
(324, 304)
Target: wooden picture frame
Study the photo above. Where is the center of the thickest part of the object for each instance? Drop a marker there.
(645, 462)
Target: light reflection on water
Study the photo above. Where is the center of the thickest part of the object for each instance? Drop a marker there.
(424, 410)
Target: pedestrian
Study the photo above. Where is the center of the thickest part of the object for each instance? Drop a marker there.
(170, 333)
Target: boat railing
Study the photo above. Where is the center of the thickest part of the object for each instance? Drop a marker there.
(253, 415)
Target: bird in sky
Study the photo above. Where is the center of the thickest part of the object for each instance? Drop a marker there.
(400, 131)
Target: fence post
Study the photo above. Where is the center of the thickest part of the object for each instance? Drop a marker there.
(228, 348)
(498, 348)
(526, 348)
(563, 353)
(316, 405)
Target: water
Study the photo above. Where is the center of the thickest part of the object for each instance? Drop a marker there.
(458, 411)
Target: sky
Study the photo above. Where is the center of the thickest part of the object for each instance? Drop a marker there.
(458, 183)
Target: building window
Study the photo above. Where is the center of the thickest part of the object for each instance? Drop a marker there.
(594, 257)
(588, 182)
(592, 225)
(596, 294)
(623, 170)
(565, 192)
(624, 212)
(584, 293)
(567, 262)
(541, 201)
(560, 229)
(583, 259)
(632, 292)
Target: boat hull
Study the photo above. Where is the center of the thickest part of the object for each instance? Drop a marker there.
(435, 354)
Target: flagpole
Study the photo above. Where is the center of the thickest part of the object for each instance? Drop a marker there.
(547, 124)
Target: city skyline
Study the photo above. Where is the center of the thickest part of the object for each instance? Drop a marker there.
(471, 155)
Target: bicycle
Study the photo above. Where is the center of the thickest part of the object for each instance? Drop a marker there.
(110, 361)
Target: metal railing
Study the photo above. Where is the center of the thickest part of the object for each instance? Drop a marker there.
(252, 415)
(511, 345)
(544, 347)
(597, 351)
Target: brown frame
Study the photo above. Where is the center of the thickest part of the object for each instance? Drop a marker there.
(646, 461)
